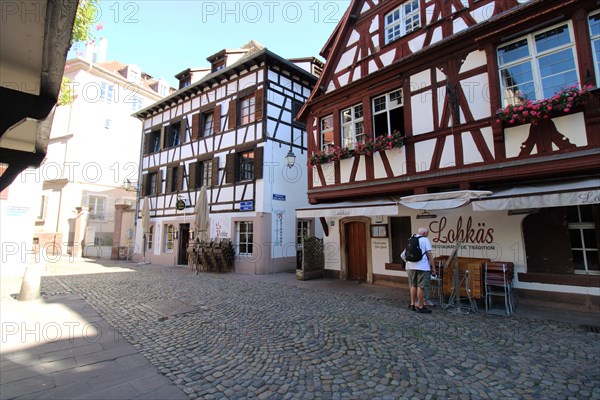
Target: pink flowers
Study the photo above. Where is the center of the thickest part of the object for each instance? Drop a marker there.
(368, 147)
(532, 112)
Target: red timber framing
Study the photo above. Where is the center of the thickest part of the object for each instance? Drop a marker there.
(357, 70)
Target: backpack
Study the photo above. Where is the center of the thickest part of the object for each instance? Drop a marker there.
(413, 249)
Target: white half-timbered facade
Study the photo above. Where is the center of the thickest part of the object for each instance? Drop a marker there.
(411, 118)
(229, 131)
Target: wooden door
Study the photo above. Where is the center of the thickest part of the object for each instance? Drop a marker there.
(356, 250)
(547, 243)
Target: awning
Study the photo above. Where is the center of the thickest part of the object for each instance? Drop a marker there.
(565, 193)
(348, 209)
(442, 201)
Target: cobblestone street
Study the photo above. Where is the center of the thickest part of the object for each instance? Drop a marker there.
(244, 337)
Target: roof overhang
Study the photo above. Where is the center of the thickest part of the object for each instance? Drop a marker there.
(349, 209)
(35, 40)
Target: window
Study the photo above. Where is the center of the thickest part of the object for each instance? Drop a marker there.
(388, 113)
(153, 184)
(584, 243)
(352, 126)
(136, 103)
(150, 237)
(537, 65)
(595, 35)
(247, 110)
(106, 92)
(246, 166)
(245, 238)
(302, 231)
(107, 123)
(154, 141)
(97, 205)
(169, 238)
(205, 173)
(172, 135)
(296, 107)
(402, 21)
(208, 127)
(326, 126)
(174, 180)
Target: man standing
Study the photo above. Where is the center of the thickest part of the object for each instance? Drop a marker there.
(419, 272)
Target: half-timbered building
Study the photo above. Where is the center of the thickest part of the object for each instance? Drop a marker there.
(478, 119)
(229, 128)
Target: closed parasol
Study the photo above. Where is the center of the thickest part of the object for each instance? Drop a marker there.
(201, 211)
(145, 221)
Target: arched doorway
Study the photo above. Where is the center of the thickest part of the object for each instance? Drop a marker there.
(356, 254)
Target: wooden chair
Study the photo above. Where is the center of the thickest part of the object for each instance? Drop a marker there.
(498, 278)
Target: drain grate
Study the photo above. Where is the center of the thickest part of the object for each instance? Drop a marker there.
(591, 328)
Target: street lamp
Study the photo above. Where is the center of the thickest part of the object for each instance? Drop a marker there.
(290, 159)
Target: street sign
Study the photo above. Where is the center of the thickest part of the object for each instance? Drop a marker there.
(246, 206)
(180, 205)
(279, 197)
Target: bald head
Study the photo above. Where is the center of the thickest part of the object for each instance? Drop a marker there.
(423, 231)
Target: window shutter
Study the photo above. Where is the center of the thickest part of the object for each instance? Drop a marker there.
(192, 175)
(215, 171)
(230, 168)
(217, 118)
(180, 178)
(169, 178)
(258, 162)
(183, 130)
(145, 184)
(195, 127)
(159, 181)
(258, 104)
(162, 138)
(85, 200)
(147, 143)
(232, 114)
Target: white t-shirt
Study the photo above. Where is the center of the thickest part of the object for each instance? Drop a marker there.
(422, 265)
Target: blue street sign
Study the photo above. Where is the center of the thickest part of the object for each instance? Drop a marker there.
(246, 206)
(280, 197)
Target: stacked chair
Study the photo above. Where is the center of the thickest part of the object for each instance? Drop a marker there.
(498, 280)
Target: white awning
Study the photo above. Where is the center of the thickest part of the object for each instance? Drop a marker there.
(348, 209)
(570, 193)
(442, 201)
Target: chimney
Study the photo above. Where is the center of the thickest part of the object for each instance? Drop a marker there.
(102, 48)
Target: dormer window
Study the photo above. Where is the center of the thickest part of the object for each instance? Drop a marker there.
(218, 65)
(134, 76)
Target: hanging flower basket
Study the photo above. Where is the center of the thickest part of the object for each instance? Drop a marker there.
(534, 111)
(368, 147)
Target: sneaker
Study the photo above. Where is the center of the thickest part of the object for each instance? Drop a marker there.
(411, 307)
(423, 310)
(429, 304)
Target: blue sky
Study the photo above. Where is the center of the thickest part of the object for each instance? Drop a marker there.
(165, 37)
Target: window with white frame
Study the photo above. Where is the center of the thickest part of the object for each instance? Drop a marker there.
(594, 20)
(584, 243)
(97, 205)
(245, 237)
(205, 173)
(402, 21)
(247, 109)
(150, 237)
(209, 123)
(326, 127)
(537, 65)
(352, 126)
(136, 103)
(169, 238)
(246, 166)
(302, 231)
(388, 113)
(106, 92)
